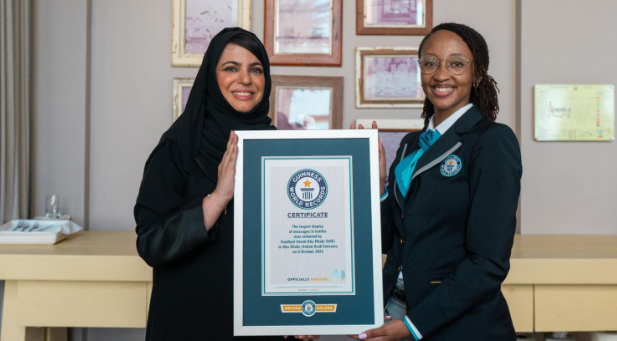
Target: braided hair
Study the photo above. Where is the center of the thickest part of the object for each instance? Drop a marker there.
(484, 93)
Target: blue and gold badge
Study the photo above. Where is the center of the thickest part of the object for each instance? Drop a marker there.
(451, 165)
(309, 308)
(307, 189)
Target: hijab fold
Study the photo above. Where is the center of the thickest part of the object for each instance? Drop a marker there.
(203, 129)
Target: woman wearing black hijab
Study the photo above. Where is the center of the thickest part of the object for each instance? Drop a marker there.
(184, 209)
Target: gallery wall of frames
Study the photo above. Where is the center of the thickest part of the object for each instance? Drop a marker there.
(309, 34)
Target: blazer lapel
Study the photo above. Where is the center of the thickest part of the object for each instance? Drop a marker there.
(449, 142)
(408, 148)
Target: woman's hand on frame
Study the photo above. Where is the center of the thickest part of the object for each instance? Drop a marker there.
(215, 203)
(382, 159)
(224, 191)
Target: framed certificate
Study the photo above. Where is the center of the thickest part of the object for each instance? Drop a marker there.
(304, 33)
(388, 78)
(574, 112)
(307, 240)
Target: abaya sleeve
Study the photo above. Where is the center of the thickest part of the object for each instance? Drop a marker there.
(169, 224)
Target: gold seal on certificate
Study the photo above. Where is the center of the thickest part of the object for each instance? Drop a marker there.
(307, 226)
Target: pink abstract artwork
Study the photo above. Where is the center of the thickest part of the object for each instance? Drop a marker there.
(303, 108)
(204, 19)
(392, 78)
(394, 12)
(391, 142)
(186, 91)
(303, 26)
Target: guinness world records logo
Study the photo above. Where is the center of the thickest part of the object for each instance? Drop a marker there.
(451, 166)
(309, 308)
(307, 189)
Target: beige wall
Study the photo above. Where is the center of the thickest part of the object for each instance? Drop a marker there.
(132, 84)
(91, 150)
(59, 104)
(568, 187)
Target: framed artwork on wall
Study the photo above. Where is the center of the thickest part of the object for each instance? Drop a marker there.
(303, 33)
(195, 22)
(182, 89)
(391, 133)
(306, 102)
(388, 78)
(394, 17)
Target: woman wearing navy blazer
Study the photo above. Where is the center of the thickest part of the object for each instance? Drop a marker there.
(449, 210)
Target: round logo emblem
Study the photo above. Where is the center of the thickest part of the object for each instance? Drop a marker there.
(308, 308)
(307, 189)
(451, 165)
(338, 275)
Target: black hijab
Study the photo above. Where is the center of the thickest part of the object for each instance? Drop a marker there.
(202, 131)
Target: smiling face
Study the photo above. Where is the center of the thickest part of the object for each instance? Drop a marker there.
(447, 92)
(240, 76)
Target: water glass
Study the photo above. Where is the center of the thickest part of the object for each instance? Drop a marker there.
(52, 206)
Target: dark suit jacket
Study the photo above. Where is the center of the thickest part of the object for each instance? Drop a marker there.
(452, 235)
(192, 294)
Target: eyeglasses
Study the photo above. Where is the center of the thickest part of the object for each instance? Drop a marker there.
(456, 65)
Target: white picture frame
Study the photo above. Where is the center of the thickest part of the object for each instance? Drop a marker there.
(181, 90)
(380, 86)
(240, 329)
(207, 25)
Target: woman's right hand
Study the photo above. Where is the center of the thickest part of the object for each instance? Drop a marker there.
(227, 171)
(224, 191)
(382, 159)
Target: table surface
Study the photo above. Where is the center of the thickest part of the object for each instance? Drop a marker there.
(528, 246)
(548, 259)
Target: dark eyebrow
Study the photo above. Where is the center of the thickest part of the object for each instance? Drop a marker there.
(232, 62)
(453, 54)
(238, 64)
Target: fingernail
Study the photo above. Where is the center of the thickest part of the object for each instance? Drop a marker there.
(388, 317)
(362, 336)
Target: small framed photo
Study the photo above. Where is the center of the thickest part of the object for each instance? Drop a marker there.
(303, 33)
(306, 102)
(391, 132)
(394, 17)
(182, 89)
(388, 78)
(196, 22)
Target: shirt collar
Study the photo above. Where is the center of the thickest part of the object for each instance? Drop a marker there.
(448, 122)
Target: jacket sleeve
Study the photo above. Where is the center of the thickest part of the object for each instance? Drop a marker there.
(169, 224)
(387, 224)
(494, 175)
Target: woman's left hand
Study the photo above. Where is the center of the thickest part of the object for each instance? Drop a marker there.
(390, 331)
(382, 159)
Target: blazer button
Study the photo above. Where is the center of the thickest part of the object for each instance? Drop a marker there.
(399, 269)
(402, 241)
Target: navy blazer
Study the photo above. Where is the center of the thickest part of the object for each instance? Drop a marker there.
(452, 234)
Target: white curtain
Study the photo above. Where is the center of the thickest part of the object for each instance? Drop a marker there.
(14, 112)
(14, 109)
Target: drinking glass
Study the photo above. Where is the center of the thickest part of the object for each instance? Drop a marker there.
(52, 206)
